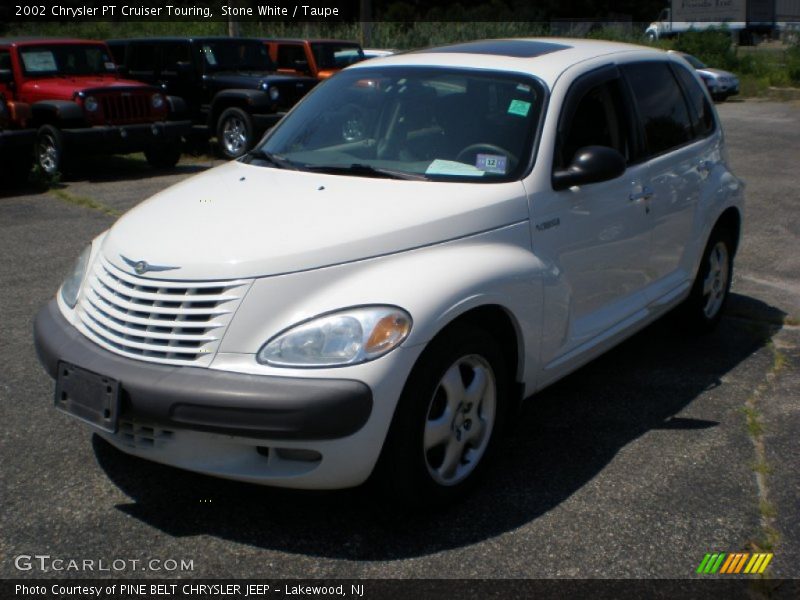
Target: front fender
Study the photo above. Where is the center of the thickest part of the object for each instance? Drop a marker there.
(253, 100)
(435, 284)
(58, 111)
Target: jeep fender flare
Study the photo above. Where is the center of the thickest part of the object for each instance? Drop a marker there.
(56, 112)
(177, 106)
(251, 101)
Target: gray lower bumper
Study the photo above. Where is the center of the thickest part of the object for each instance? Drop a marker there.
(208, 400)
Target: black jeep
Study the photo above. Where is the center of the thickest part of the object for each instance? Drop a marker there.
(229, 85)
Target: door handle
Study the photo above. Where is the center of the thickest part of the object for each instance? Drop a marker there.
(705, 166)
(645, 194)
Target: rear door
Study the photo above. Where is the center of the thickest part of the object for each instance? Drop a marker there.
(678, 159)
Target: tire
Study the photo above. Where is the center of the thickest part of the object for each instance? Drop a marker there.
(702, 310)
(49, 151)
(164, 156)
(441, 439)
(234, 133)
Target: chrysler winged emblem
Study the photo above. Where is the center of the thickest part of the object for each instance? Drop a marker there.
(140, 267)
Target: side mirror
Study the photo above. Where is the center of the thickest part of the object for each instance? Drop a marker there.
(6, 76)
(591, 164)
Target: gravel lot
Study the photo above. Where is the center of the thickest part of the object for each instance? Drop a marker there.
(662, 450)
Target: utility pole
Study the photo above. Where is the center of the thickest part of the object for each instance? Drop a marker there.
(234, 30)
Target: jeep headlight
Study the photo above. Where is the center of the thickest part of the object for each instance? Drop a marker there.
(274, 93)
(345, 337)
(157, 101)
(72, 284)
(90, 104)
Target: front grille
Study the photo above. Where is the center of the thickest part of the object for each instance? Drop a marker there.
(173, 322)
(125, 108)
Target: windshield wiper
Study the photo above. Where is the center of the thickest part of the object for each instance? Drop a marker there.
(273, 159)
(366, 171)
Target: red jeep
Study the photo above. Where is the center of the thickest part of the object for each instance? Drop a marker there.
(16, 141)
(78, 102)
(317, 58)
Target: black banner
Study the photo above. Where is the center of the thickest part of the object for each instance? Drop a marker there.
(414, 589)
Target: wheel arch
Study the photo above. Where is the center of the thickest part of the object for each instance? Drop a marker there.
(730, 220)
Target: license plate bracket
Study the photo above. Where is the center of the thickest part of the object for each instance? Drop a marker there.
(88, 396)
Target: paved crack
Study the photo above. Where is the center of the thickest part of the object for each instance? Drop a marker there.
(85, 202)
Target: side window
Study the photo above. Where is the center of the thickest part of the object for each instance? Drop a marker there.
(662, 108)
(142, 58)
(596, 121)
(703, 116)
(174, 56)
(292, 56)
(5, 60)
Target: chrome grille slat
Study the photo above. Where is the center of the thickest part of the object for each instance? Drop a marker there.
(158, 320)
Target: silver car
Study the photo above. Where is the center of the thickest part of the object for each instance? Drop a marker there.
(721, 84)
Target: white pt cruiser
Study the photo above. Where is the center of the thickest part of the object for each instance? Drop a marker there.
(425, 240)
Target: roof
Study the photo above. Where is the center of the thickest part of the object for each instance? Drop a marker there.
(24, 41)
(545, 58)
(311, 41)
(186, 38)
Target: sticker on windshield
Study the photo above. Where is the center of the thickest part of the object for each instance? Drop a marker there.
(521, 87)
(40, 61)
(519, 108)
(209, 54)
(451, 167)
(492, 163)
(110, 66)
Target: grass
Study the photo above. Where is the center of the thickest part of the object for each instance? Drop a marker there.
(85, 202)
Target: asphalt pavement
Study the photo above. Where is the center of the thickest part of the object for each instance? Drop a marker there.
(662, 450)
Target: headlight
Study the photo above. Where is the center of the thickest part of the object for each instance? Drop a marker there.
(72, 284)
(157, 101)
(90, 104)
(346, 337)
(274, 93)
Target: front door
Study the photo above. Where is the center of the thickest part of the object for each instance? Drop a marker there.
(596, 237)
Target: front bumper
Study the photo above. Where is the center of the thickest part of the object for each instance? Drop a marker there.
(17, 140)
(124, 139)
(208, 400)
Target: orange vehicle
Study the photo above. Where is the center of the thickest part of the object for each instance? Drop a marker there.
(317, 58)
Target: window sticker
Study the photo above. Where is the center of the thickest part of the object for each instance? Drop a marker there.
(519, 108)
(492, 163)
(451, 167)
(110, 66)
(209, 54)
(40, 61)
(521, 87)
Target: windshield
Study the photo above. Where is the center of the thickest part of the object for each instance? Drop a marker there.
(243, 55)
(421, 122)
(334, 55)
(694, 61)
(66, 59)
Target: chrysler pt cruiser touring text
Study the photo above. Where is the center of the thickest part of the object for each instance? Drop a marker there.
(423, 241)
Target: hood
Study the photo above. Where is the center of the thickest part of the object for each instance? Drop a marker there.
(254, 79)
(241, 220)
(717, 73)
(65, 88)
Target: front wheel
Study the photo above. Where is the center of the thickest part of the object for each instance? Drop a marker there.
(234, 132)
(163, 156)
(703, 309)
(448, 419)
(50, 150)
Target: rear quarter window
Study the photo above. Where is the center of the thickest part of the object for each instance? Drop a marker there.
(702, 115)
(661, 106)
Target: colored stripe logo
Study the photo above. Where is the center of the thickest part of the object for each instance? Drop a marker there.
(734, 563)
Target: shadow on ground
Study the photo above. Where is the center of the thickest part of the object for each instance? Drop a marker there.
(562, 439)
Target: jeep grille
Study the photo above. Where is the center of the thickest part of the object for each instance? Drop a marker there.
(173, 322)
(126, 108)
